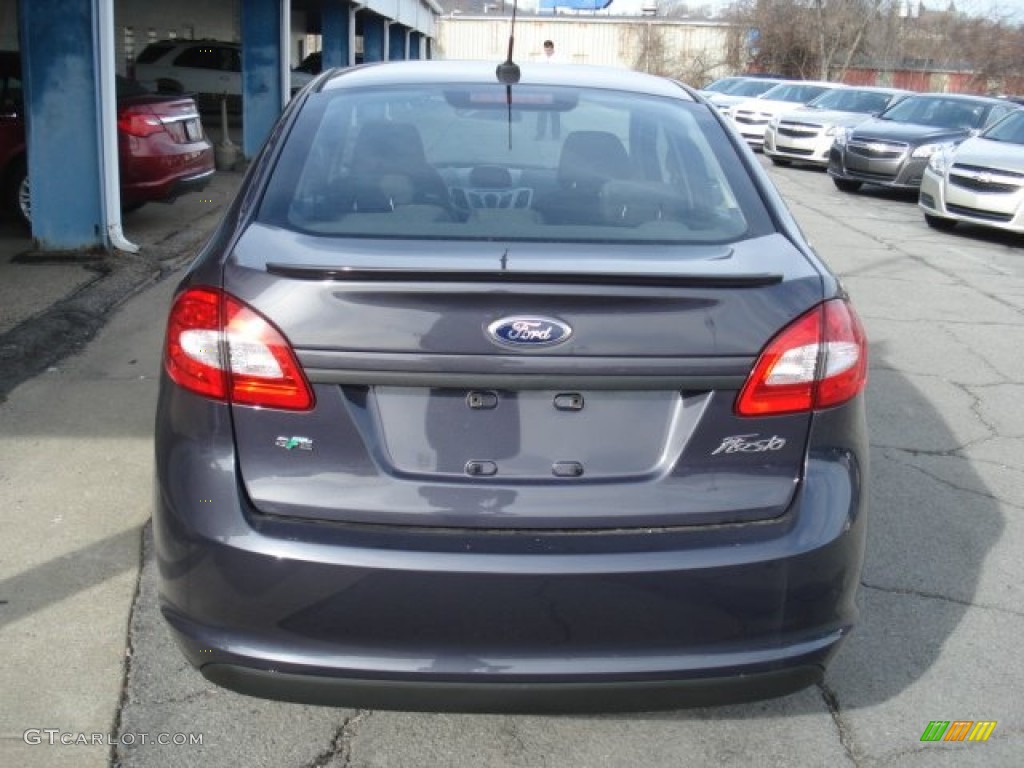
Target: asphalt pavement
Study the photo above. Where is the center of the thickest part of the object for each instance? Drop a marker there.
(76, 470)
(87, 655)
(52, 304)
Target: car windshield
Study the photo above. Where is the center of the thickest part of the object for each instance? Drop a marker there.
(795, 92)
(852, 100)
(452, 161)
(1010, 129)
(724, 85)
(753, 87)
(938, 112)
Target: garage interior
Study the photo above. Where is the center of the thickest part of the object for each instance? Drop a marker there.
(71, 51)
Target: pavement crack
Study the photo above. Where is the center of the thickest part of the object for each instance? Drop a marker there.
(948, 453)
(909, 592)
(341, 744)
(845, 737)
(892, 758)
(129, 654)
(188, 698)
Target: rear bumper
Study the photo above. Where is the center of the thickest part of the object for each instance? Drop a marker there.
(550, 698)
(165, 189)
(385, 616)
(162, 171)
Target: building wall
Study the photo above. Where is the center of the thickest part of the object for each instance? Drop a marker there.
(614, 42)
(940, 81)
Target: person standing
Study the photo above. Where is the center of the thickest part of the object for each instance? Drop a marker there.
(549, 117)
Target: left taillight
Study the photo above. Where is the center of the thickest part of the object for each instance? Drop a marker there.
(219, 347)
(139, 121)
(817, 361)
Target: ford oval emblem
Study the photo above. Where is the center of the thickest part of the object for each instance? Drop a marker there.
(529, 331)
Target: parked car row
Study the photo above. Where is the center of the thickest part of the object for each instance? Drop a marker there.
(892, 149)
(805, 135)
(724, 94)
(752, 117)
(964, 154)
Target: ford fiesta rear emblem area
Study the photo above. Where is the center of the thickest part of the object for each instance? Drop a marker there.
(528, 331)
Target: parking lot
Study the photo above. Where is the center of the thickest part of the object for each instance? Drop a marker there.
(941, 597)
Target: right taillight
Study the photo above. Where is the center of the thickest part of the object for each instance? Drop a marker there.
(817, 361)
(221, 348)
(139, 121)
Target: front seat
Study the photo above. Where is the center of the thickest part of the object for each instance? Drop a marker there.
(589, 159)
(390, 168)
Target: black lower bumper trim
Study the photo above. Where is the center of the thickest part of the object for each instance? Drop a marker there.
(508, 697)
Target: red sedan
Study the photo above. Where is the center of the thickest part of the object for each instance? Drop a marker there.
(163, 150)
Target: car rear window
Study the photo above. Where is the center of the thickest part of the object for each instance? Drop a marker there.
(127, 88)
(468, 162)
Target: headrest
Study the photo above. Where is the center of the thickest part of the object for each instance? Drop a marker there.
(590, 158)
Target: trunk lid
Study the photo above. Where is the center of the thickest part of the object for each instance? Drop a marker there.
(426, 416)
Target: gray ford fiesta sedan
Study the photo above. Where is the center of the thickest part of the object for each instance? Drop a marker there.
(460, 414)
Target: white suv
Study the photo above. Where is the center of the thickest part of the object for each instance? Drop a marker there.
(210, 69)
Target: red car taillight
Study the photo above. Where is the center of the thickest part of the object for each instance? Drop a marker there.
(818, 361)
(138, 121)
(223, 349)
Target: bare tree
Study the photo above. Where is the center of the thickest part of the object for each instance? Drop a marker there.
(841, 28)
(662, 49)
(808, 38)
(823, 39)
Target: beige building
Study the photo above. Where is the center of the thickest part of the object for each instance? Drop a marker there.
(693, 51)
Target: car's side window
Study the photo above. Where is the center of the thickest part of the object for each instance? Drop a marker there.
(997, 114)
(199, 57)
(230, 59)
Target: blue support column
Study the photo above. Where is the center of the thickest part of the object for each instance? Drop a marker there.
(59, 74)
(335, 26)
(396, 42)
(373, 37)
(414, 45)
(261, 71)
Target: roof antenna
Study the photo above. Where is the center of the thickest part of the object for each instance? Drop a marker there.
(508, 71)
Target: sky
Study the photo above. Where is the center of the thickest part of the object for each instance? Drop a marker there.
(1013, 7)
(1000, 8)
(1013, 10)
